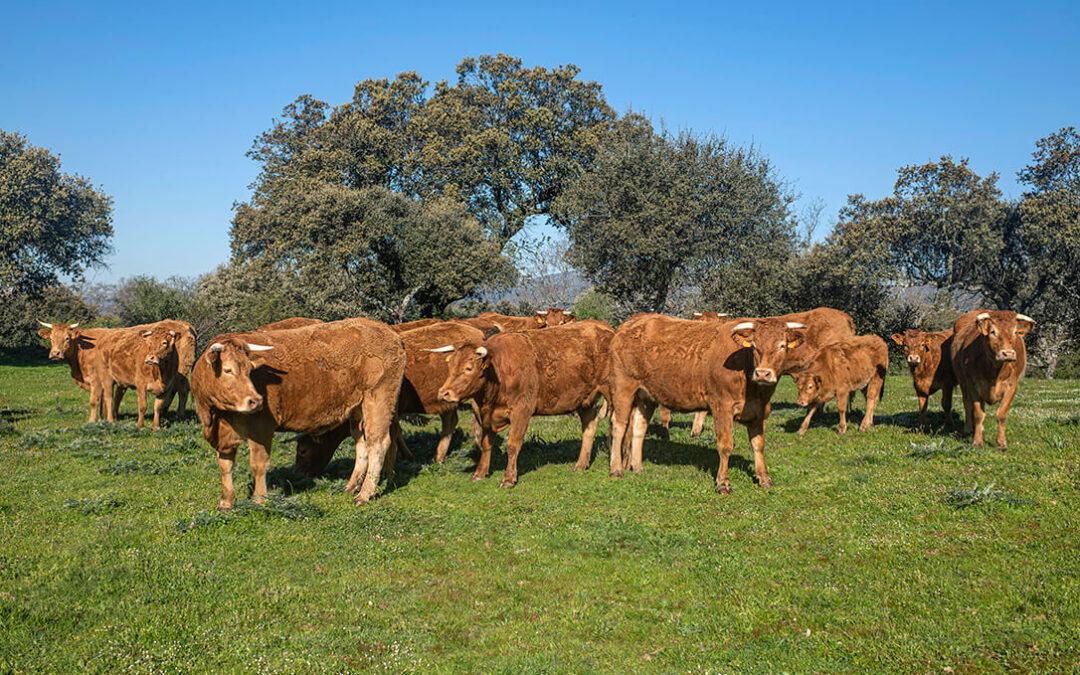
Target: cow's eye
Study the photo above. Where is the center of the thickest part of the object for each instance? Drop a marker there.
(227, 371)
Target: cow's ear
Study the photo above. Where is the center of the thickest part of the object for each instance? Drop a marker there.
(817, 381)
(539, 319)
(45, 333)
(898, 338)
(794, 340)
(983, 321)
(569, 318)
(743, 338)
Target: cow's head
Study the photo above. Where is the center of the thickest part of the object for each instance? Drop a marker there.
(769, 340)
(64, 339)
(709, 316)
(467, 362)
(554, 316)
(160, 345)
(231, 360)
(809, 384)
(1002, 331)
(917, 345)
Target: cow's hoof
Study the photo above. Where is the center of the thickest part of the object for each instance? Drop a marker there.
(259, 499)
(507, 483)
(765, 483)
(615, 474)
(225, 507)
(723, 489)
(800, 432)
(475, 478)
(1002, 447)
(580, 467)
(349, 489)
(359, 501)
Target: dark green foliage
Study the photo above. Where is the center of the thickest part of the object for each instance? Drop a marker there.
(289, 508)
(51, 224)
(961, 498)
(21, 310)
(658, 212)
(94, 505)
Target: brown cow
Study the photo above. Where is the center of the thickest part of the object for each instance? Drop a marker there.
(513, 376)
(79, 347)
(286, 324)
(699, 417)
(505, 324)
(312, 380)
(839, 370)
(176, 380)
(929, 358)
(147, 361)
(729, 367)
(988, 358)
(555, 316)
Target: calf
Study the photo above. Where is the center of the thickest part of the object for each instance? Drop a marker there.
(988, 358)
(729, 368)
(313, 380)
(146, 361)
(513, 376)
(839, 370)
(928, 357)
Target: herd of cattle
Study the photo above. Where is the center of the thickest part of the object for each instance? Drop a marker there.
(356, 377)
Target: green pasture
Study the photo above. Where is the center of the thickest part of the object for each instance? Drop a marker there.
(885, 551)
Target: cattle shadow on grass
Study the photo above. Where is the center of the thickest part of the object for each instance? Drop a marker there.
(704, 457)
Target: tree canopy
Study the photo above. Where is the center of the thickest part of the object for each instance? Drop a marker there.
(52, 224)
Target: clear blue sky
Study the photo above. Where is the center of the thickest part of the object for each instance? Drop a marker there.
(158, 103)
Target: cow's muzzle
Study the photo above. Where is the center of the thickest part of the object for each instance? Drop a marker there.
(913, 359)
(151, 361)
(252, 403)
(56, 356)
(447, 396)
(1006, 355)
(766, 375)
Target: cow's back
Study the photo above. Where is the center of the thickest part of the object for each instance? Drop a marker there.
(288, 324)
(849, 363)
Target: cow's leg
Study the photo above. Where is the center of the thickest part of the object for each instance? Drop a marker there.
(519, 424)
(756, 431)
(159, 405)
(360, 467)
(842, 403)
(487, 443)
(117, 392)
(873, 395)
(665, 423)
(639, 424)
(1003, 416)
(449, 420)
(140, 398)
(923, 400)
(622, 403)
(477, 427)
(723, 421)
(810, 410)
(946, 406)
(111, 402)
(589, 421)
(699, 423)
(378, 414)
(397, 444)
(182, 389)
(95, 401)
(969, 411)
(979, 416)
(259, 459)
(226, 459)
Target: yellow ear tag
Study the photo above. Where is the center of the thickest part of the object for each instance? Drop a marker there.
(448, 358)
(539, 320)
(792, 345)
(747, 343)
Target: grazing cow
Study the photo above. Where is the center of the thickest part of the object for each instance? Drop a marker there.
(839, 370)
(312, 380)
(513, 376)
(988, 358)
(555, 316)
(929, 358)
(729, 367)
(79, 347)
(699, 417)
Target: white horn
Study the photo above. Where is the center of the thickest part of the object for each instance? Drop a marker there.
(1024, 317)
(745, 325)
(74, 325)
(795, 325)
(481, 351)
(723, 314)
(447, 348)
(542, 312)
(217, 347)
(984, 315)
(258, 348)
(47, 325)
(697, 313)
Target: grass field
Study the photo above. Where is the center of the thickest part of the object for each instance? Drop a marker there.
(885, 551)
